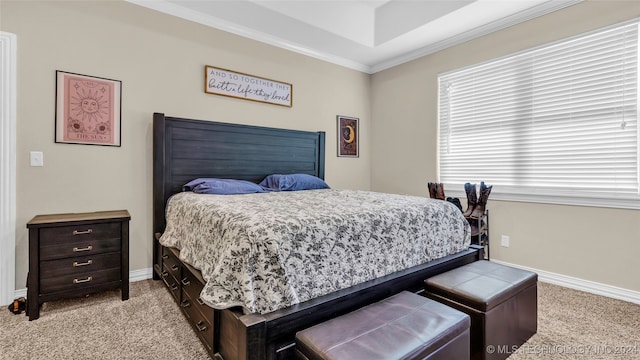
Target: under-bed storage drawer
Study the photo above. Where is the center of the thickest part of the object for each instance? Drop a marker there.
(171, 261)
(185, 286)
(201, 325)
(193, 287)
(171, 282)
(200, 315)
(171, 272)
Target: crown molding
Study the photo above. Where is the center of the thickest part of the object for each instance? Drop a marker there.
(211, 21)
(532, 13)
(217, 23)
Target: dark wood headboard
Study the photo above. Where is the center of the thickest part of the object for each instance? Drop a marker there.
(186, 149)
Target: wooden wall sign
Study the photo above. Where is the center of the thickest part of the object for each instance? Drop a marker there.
(235, 84)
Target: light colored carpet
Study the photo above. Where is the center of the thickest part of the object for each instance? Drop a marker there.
(102, 326)
(572, 325)
(577, 325)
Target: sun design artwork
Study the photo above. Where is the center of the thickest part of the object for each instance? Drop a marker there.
(88, 115)
(89, 105)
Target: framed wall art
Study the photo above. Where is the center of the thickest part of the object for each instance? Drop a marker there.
(348, 137)
(219, 81)
(88, 109)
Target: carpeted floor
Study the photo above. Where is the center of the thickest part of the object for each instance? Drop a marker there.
(572, 325)
(101, 326)
(577, 325)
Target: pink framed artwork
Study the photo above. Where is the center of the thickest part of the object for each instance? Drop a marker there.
(87, 109)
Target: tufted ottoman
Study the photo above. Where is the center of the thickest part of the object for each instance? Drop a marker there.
(501, 300)
(404, 326)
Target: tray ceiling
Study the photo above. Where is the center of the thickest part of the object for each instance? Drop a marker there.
(366, 35)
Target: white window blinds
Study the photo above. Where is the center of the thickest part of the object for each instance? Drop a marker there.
(558, 123)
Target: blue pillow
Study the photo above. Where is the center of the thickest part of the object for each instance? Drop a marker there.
(222, 186)
(293, 182)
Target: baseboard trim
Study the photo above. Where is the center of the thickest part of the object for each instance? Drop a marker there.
(134, 275)
(581, 284)
(139, 275)
(544, 276)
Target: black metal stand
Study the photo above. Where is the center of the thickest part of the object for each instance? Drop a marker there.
(482, 237)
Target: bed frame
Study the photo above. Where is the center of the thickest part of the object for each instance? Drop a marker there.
(185, 149)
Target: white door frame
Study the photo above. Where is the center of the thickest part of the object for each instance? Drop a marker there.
(8, 63)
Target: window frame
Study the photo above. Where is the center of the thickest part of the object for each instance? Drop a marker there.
(557, 195)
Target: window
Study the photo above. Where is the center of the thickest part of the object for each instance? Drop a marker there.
(556, 124)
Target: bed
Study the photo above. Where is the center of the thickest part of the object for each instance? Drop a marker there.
(185, 149)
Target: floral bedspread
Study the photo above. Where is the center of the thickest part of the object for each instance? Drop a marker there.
(267, 251)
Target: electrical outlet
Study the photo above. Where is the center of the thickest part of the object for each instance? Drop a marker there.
(36, 158)
(504, 240)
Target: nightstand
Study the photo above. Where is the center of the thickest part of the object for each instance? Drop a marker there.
(77, 254)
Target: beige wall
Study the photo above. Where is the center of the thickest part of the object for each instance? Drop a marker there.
(160, 60)
(596, 244)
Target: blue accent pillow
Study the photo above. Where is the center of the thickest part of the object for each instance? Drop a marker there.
(222, 186)
(293, 182)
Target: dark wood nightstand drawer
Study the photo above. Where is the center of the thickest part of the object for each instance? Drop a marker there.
(79, 265)
(78, 281)
(81, 248)
(81, 232)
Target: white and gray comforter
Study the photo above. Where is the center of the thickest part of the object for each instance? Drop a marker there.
(267, 251)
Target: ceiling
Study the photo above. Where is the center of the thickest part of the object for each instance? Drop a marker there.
(366, 35)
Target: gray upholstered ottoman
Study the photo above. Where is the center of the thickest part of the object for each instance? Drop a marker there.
(502, 302)
(404, 326)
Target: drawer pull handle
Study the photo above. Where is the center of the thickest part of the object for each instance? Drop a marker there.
(165, 274)
(173, 287)
(185, 304)
(88, 231)
(199, 300)
(79, 281)
(185, 282)
(200, 325)
(88, 248)
(165, 256)
(76, 264)
(174, 267)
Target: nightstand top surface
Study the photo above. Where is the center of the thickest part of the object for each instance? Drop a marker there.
(71, 217)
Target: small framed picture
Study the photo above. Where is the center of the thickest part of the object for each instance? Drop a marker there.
(88, 109)
(348, 137)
